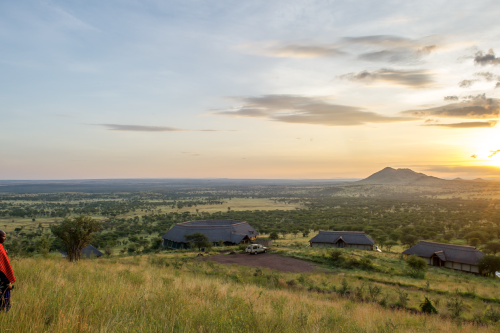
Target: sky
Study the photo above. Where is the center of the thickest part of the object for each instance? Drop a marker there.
(248, 89)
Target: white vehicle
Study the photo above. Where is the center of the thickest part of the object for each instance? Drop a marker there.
(256, 248)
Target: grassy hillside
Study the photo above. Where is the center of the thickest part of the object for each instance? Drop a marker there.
(142, 294)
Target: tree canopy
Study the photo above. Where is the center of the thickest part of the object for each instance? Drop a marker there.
(75, 234)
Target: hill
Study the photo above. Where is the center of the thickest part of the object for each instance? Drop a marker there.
(391, 176)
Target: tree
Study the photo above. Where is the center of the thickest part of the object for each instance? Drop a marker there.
(416, 266)
(474, 241)
(427, 307)
(199, 240)
(283, 233)
(75, 234)
(389, 244)
(295, 232)
(274, 235)
(489, 264)
(305, 233)
(475, 234)
(108, 250)
(409, 240)
(493, 247)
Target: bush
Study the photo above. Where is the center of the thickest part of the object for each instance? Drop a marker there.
(416, 267)
(336, 254)
(489, 264)
(427, 307)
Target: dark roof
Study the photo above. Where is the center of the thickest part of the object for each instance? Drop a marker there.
(87, 251)
(455, 253)
(228, 230)
(350, 237)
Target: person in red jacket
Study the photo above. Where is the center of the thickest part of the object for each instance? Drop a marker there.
(6, 275)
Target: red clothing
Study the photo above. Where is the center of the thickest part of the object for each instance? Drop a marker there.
(5, 266)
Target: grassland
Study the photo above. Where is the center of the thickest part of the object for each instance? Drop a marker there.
(235, 204)
(133, 295)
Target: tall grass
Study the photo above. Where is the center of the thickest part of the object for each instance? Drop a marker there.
(104, 295)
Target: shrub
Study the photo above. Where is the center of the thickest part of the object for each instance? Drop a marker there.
(416, 267)
(402, 298)
(336, 254)
(344, 287)
(489, 264)
(366, 263)
(456, 306)
(360, 291)
(374, 292)
(492, 315)
(427, 307)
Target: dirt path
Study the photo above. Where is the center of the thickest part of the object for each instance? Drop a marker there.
(266, 260)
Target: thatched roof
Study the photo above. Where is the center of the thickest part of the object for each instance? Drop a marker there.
(349, 237)
(230, 231)
(447, 252)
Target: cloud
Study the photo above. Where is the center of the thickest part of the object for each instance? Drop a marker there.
(474, 107)
(451, 98)
(494, 152)
(378, 48)
(497, 85)
(488, 76)
(484, 59)
(473, 156)
(305, 110)
(475, 171)
(416, 79)
(466, 83)
(304, 51)
(140, 128)
(472, 124)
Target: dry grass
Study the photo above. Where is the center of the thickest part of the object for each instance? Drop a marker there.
(104, 295)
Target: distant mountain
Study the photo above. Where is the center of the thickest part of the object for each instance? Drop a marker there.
(391, 176)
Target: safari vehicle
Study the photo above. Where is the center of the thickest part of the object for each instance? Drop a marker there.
(256, 248)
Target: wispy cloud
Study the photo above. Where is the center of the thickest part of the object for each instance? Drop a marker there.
(466, 83)
(415, 79)
(451, 98)
(378, 48)
(471, 124)
(305, 110)
(141, 128)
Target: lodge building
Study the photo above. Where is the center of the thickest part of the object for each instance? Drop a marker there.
(231, 232)
(457, 257)
(342, 239)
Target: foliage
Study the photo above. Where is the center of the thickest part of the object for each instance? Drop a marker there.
(76, 234)
(336, 254)
(199, 240)
(427, 307)
(416, 267)
(489, 264)
(493, 247)
(374, 292)
(456, 306)
(274, 235)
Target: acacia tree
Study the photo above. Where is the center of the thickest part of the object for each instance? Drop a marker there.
(199, 240)
(75, 234)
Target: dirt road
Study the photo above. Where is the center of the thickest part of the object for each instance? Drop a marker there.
(266, 260)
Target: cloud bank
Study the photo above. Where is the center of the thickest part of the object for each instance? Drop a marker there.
(305, 110)
(473, 107)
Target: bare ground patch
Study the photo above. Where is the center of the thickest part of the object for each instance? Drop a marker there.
(266, 260)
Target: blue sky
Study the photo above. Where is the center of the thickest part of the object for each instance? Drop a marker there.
(248, 89)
